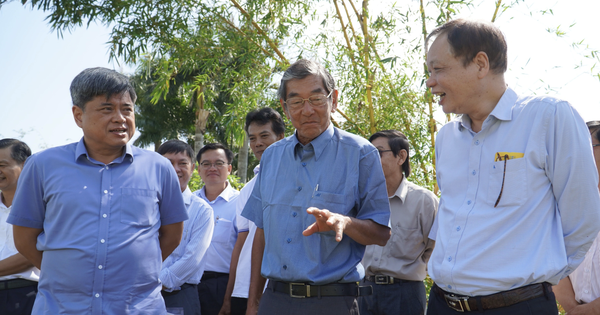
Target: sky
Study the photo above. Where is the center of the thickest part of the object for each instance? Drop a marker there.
(37, 67)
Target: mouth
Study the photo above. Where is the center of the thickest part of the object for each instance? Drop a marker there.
(439, 97)
(119, 131)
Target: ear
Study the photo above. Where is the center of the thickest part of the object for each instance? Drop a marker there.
(280, 136)
(482, 62)
(285, 111)
(77, 113)
(402, 157)
(229, 167)
(334, 97)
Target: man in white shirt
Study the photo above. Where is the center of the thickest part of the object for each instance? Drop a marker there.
(519, 206)
(214, 166)
(18, 276)
(396, 271)
(264, 127)
(579, 293)
(181, 271)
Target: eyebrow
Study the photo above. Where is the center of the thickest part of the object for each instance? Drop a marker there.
(317, 90)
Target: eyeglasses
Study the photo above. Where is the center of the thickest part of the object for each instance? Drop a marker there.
(381, 152)
(595, 145)
(217, 164)
(316, 100)
(499, 157)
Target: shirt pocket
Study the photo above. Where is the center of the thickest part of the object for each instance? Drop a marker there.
(222, 231)
(514, 192)
(139, 207)
(406, 243)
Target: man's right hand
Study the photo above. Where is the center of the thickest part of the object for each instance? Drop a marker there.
(251, 309)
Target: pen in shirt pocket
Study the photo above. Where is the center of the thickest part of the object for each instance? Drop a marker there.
(315, 191)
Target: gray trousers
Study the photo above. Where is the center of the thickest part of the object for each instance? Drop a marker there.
(406, 298)
(273, 302)
(186, 299)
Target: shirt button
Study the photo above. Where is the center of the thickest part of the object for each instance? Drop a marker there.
(106, 166)
(586, 291)
(449, 287)
(294, 214)
(289, 240)
(473, 172)
(449, 258)
(106, 191)
(468, 202)
(299, 188)
(100, 267)
(303, 164)
(476, 142)
(102, 241)
(104, 215)
(285, 267)
(458, 228)
(97, 295)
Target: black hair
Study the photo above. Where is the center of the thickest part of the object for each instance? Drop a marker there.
(176, 146)
(263, 116)
(397, 141)
(19, 152)
(215, 146)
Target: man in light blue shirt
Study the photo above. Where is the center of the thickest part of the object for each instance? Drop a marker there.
(214, 161)
(319, 199)
(98, 216)
(519, 206)
(181, 271)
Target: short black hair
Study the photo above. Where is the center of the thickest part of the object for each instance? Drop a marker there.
(263, 116)
(594, 127)
(19, 152)
(99, 81)
(215, 146)
(397, 141)
(176, 146)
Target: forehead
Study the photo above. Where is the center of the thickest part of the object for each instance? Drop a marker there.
(122, 98)
(381, 142)
(214, 155)
(6, 155)
(440, 50)
(177, 156)
(310, 84)
(255, 128)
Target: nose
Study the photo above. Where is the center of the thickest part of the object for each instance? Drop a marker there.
(307, 108)
(430, 82)
(119, 117)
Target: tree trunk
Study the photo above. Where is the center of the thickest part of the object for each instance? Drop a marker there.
(156, 145)
(201, 120)
(243, 161)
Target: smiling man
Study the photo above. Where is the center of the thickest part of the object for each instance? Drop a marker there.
(519, 204)
(98, 216)
(319, 199)
(214, 166)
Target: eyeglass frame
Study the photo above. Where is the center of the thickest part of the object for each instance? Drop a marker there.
(304, 100)
(207, 167)
(381, 152)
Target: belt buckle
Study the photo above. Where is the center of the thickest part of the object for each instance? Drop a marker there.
(383, 279)
(299, 296)
(456, 303)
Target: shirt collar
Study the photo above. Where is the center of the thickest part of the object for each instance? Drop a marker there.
(402, 190)
(226, 194)
(319, 143)
(502, 110)
(3, 206)
(187, 196)
(82, 150)
(256, 169)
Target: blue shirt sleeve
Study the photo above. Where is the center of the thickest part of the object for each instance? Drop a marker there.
(29, 207)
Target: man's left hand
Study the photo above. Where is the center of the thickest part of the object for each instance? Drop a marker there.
(327, 221)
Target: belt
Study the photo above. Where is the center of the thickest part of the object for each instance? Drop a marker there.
(183, 286)
(463, 303)
(303, 290)
(383, 279)
(212, 274)
(16, 283)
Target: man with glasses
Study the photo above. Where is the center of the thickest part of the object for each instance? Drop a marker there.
(579, 293)
(319, 199)
(396, 271)
(519, 205)
(214, 166)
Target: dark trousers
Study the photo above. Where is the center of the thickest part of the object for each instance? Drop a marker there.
(185, 299)
(406, 298)
(273, 302)
(238, 305)
(17, 301)
(211, 291)
(539, 306)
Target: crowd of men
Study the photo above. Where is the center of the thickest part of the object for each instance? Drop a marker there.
(330, 224)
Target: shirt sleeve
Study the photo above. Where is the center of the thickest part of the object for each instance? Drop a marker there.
(429, 212)
(571, 169)
(175, 275)
(29, 208)
(172, 208)
(374, 203)
(253, 208)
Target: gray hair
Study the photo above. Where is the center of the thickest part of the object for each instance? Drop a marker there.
(99, 81)
(300, 70)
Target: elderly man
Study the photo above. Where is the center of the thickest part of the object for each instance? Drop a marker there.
(18, 277)
(181, 271)
(396, 271)
(99, 215)
(319, 199)
(215, 165)
(519, 206)
(264, 127)
(579, 293)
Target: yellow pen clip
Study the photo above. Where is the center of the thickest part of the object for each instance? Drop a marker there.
(501, 156)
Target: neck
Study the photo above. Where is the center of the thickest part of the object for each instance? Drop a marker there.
(105, 155)
(492, 94)
(7, 197)
(213, 191)
(393, 183)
